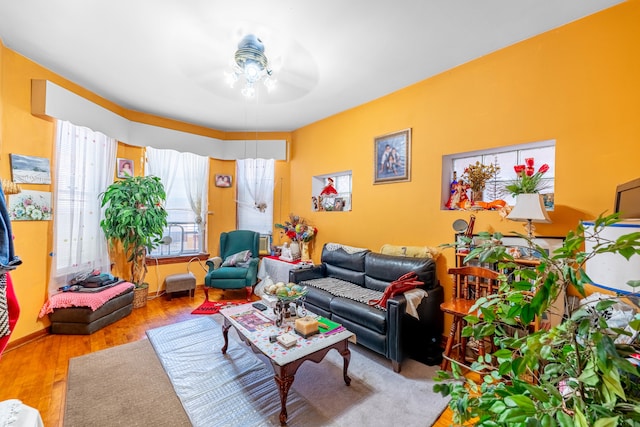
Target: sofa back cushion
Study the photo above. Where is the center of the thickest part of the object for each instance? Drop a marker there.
(381, 270)
(344, 262)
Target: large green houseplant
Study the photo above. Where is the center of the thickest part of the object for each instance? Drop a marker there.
(136, 218)
(574, 374)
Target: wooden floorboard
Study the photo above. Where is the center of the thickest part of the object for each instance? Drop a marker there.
(36, 372)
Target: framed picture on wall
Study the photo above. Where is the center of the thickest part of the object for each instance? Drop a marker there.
(125, 168)
(30, 169)
(392, 157)
(223, 181)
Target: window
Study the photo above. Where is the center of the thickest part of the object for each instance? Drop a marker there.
(255, 194)
(85, 164)
(505, 157)
(185, 177)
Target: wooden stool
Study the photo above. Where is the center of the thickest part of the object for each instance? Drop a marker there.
(180, 282)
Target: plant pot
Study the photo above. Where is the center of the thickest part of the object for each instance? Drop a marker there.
(140, 297)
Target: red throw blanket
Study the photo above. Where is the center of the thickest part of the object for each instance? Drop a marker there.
(93, 300)
(403, 284)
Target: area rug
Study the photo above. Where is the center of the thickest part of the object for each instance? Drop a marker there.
(237, 389)
(121, 386)
(212, 307)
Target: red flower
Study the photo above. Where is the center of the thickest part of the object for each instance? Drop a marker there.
(529, 162)
(543, 168)
(529, 171)
(518, 169)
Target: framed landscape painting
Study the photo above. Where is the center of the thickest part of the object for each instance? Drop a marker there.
(30, 169)
(392, 157)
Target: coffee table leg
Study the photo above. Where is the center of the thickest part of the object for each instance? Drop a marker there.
(225, 334)
(346, 355)
(284, 384)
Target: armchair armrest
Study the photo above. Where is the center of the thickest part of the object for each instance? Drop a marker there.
(214, 263)
(298, 275)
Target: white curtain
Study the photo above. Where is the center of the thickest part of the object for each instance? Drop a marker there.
(196, 181)
(84, 168)
(255, 194)
(163, 164)
(193, 170)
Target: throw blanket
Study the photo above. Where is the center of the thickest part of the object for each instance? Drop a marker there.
(348, 249)
(342, 288)
(93, 300)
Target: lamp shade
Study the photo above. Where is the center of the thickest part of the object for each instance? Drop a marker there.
(529, 207)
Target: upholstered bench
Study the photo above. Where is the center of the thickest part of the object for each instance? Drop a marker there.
(77, 313)
(180, 282)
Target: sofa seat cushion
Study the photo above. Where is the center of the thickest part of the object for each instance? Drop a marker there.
(228, 273)
(363, 314)
(344, 289)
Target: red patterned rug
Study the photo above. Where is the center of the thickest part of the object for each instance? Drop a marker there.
(212, 307)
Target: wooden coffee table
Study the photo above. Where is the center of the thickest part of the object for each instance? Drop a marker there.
(255, 327)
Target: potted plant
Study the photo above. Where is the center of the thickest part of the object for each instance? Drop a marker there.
(575, 374)
(135, 217)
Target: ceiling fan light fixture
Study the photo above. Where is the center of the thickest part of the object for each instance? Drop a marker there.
(251, 64)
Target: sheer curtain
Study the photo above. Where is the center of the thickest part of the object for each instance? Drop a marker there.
(255, 194)
(186, 201)
(196, 180)
(84, 167)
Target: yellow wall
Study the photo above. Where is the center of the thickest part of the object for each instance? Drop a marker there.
(577, 84)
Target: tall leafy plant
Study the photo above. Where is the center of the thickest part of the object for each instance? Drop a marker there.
(574, 374)
(135, 216)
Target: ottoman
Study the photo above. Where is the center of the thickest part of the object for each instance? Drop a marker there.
(85, 320)
(180, 282)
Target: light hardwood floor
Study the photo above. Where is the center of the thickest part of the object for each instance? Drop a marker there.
(36, 372)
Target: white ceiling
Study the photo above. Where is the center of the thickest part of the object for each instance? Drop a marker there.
(168, 57)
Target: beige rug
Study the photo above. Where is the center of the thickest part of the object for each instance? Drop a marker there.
(121, 386)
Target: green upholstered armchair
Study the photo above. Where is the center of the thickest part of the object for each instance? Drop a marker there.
(244, 275)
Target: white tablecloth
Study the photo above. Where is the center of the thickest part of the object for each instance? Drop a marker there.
(276, 269)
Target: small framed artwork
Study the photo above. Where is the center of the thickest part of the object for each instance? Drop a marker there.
(223, 181)
(125, 168)
(30, 205)
(30, 169)
(392, 157)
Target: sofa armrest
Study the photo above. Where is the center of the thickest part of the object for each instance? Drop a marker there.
(396, 307)
(300, 274)
(214, 263)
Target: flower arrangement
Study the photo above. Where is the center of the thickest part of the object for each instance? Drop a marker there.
(528, 181)
(297, 229)
(478, 174)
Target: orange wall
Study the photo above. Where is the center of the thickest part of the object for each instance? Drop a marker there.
(577, 84)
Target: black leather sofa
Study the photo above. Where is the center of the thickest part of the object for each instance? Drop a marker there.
(341, 286)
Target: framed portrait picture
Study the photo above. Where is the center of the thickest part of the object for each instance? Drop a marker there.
(392, 157)
(30, 169)
(125, 168)
(223, 181)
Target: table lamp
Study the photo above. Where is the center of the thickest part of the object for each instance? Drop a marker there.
(529, 208)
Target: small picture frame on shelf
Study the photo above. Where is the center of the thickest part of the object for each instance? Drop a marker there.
(392, 157)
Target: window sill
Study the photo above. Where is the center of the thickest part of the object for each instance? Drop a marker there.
(176, 259)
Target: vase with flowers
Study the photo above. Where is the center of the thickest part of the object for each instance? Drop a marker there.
(301, 234)
(476, 176)
(528, 180)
